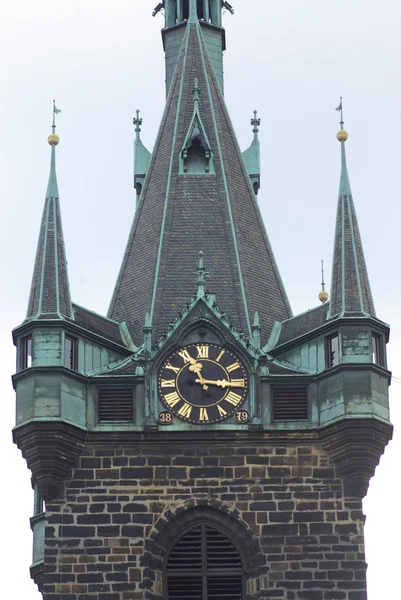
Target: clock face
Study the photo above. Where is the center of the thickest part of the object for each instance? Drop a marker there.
(203, 383)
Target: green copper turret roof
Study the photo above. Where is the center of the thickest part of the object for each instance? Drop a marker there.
(50, 291)
(350, 289)
(181, 214)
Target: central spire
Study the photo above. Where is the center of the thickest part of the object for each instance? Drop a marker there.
(197, 194)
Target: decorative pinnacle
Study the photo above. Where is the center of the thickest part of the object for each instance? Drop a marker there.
(323, 295)
(147, 331)
(137, 122)
(255, 122)
(196, 90)
(256, 331)
(201, 273)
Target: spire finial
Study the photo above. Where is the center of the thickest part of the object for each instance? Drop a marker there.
(137, 121)
(53, 138)
(323, 295)
(201, 273)
(255, 122)
(342, 135)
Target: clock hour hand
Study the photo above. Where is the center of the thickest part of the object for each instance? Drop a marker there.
(197, 368)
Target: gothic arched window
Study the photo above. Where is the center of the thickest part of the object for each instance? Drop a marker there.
(203, 565)
(196, 158)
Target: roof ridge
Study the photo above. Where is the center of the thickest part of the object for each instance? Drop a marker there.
(94, 312)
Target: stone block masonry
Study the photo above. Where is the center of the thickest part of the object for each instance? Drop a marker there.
(301, 539)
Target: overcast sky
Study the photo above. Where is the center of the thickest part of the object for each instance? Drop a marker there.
(291, 60)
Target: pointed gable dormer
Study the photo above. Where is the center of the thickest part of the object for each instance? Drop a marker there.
(196, 156)
(50, 290)
(350, 289)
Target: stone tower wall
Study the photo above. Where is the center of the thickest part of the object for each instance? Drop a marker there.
(301, 539)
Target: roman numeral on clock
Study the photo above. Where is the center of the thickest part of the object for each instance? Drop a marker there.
(172, 399)
(203, 351)
(233, 398)
(238, 383)
(185, 410)
(221, 410)
(220, 356)
(203, 416)
(167, 383)
(186, 357)
(233, 367)
(175, 369)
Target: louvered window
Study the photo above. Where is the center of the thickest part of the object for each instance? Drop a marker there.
(115, 404)
(290, 403)
(204, 565)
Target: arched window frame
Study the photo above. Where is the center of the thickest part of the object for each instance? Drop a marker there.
(196, 131)
(204, 522)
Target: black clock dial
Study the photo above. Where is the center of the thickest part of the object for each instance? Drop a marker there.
(203, 383)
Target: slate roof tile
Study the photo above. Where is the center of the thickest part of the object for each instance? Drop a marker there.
(303, 324)
(98, 324)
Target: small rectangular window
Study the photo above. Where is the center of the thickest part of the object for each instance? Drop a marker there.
(70, 353)
(376, 349)
(39, 505)
(333, 351)
(26, 353)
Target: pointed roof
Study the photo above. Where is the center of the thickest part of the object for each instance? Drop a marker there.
(50, 291)
(350, 289)
(181, 214)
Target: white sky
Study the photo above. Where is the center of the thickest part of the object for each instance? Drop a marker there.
(102, 59)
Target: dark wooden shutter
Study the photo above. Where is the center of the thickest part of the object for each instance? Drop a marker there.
(115, 404)
(290, 403)
(203, 562)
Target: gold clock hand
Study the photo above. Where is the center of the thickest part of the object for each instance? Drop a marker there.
(220, 382)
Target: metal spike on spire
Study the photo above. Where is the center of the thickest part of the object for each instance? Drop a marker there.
(53, 139)
(323, 295)
(339, 108)
(201, 273)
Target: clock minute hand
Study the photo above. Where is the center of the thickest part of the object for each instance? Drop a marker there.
(220, 382)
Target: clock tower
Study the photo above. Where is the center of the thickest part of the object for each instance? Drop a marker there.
(200, 442)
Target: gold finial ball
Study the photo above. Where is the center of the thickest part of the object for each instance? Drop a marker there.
(323, 296)
(342, 135)
(53, 139)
